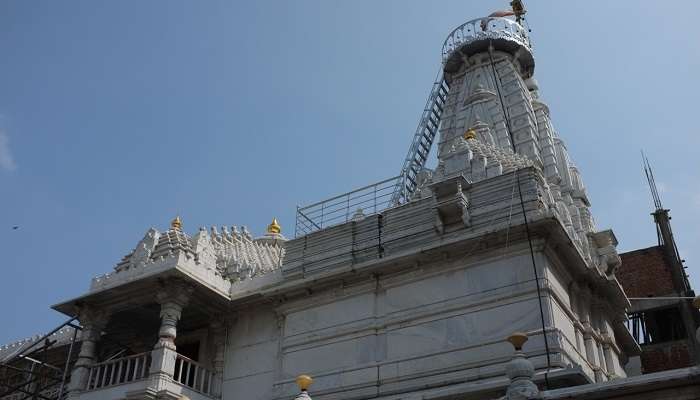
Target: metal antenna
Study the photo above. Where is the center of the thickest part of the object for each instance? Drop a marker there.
(652, 183)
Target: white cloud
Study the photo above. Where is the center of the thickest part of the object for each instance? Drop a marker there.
(7, 162)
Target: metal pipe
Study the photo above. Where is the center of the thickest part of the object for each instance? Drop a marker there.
(65, 368)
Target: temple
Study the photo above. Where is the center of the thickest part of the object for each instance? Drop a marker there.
(482, 277)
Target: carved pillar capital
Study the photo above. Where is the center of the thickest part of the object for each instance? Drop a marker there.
(92, 319)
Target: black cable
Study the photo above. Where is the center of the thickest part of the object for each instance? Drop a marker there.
(527, 227)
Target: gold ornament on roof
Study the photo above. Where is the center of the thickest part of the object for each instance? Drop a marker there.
(470, 134)
(304, 381)
(274, 227)
(176, 224)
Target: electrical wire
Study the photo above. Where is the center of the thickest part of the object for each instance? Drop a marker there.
(527, 226)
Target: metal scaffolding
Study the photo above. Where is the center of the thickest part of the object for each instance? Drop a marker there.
(31, 372)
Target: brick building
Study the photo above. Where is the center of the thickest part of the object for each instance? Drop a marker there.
(662, 317)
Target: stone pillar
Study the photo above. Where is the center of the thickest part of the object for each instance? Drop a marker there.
(218, 330)
(172, 299)
(93, 322)
(608, 354)
(588, 340)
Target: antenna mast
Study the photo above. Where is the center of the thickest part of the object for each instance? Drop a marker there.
(652, 183)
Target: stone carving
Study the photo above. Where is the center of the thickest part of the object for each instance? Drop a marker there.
(479, 82)
(606, 249)
(231, 254)
(172, 297)
(142, 253)
(450, 203)
(424, 179)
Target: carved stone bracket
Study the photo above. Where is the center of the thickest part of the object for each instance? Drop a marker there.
(450, 202)
(606, 248)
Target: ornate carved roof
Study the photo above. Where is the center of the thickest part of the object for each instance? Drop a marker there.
(232, 253)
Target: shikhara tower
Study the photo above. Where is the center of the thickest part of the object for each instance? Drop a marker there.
(403, 289)
(494, 121)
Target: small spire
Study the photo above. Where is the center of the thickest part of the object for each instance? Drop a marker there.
(176, 224)
(274, 227)
(304, 381)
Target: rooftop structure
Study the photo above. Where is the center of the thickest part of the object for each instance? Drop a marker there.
(663, 318)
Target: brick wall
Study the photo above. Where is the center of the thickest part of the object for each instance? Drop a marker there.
(645, 273)
(665, 356)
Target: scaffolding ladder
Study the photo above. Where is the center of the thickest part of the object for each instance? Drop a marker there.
(423, 138)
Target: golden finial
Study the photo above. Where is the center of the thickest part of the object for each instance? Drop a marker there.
(517, 339)
(176, 224)
(304, 381)
(470, 134)
(274, 227)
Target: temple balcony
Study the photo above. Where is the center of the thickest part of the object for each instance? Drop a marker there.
(149, 339)
(137, 376)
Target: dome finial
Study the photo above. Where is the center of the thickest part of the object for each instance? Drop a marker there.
(304, 381)
(176, 224)
(470, 134)
(274, 227)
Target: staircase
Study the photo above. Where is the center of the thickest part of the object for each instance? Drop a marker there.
(423, 138)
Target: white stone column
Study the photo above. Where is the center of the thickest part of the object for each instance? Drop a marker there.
(608, 354)
(93, 322)
(586, 301)
(218, 330)
(172, 299)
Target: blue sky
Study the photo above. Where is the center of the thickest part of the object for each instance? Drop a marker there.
(116, 116)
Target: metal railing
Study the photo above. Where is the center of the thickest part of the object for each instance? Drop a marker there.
(193, 375)
(485, 28)
(364, 201)
(119, 371)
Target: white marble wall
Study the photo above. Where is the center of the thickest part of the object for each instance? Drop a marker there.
(432, 325)
(251, 363)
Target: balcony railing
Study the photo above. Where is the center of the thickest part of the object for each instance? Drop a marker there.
(367, 200)
(484, 29)
(193, 375)
(119, 371)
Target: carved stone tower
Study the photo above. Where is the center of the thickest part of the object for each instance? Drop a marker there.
(494, 108)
